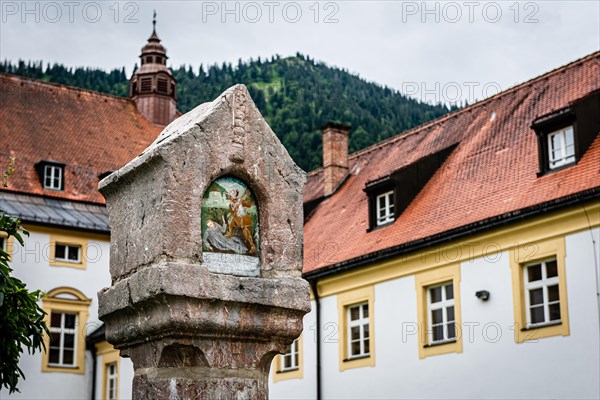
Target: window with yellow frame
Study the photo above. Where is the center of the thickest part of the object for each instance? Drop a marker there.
(110, 365)
(289, 365)
(438, 311)
(67, 314)
(356, 344)
(68, 251)
(539, 290)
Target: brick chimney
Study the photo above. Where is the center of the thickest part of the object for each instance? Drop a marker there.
(335, 155)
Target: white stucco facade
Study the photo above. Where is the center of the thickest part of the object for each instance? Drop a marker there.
(31, 264)
(307, 386)
(125, 378)
(491, 364)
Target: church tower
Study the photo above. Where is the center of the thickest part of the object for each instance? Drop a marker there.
(152, 86)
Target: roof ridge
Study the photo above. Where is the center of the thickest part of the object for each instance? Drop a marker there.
(62, 85)
(314, 171)
(469, 108)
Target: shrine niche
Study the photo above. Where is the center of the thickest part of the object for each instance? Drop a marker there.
(230, 228)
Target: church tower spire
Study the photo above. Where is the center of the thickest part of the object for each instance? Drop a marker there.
(154, 23)
(152, 86)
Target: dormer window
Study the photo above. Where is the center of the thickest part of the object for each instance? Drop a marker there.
(52, 175)
(385, 208)
(561, 147)
(390, 195)
(565, 135)
(556, 140)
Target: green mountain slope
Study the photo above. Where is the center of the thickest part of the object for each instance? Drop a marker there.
(296, 95)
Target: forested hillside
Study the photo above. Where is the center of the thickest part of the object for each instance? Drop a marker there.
(296, 95)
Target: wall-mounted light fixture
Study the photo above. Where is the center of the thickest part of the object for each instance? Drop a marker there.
(483, 295)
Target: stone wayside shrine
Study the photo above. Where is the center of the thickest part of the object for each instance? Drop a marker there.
(206, 255)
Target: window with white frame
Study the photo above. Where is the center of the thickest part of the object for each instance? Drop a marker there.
(289, 360)
(53, 177)
(358, 330)
(66, 309)
(111, 381)
(63, 339)
(542, 297)
(440, 303)
(561, 147)
(385, 208)
(67, 252)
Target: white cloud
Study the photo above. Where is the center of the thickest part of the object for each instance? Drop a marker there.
(384, 41)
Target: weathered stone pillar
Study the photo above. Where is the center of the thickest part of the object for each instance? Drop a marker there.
(206, 255)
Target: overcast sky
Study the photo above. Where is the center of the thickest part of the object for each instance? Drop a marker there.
(432, 51)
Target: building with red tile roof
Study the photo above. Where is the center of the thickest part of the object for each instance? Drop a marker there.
(453, 206)
(91, 133)
(64, 140)
(490, 175)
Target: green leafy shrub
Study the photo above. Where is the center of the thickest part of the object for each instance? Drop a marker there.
(21, 318)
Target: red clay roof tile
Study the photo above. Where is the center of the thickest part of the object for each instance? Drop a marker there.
(90, 132)
(493, 170)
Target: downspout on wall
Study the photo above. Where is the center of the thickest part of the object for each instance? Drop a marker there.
(92, 350)
(315, 291)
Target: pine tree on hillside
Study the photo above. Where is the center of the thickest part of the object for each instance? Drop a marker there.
(296, 95)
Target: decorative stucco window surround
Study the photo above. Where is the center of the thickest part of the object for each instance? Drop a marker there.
(424, 281)
(281, 372)
(71, 302)
(110, 356)
(345, 302)
(68, 242)
(527, 255)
